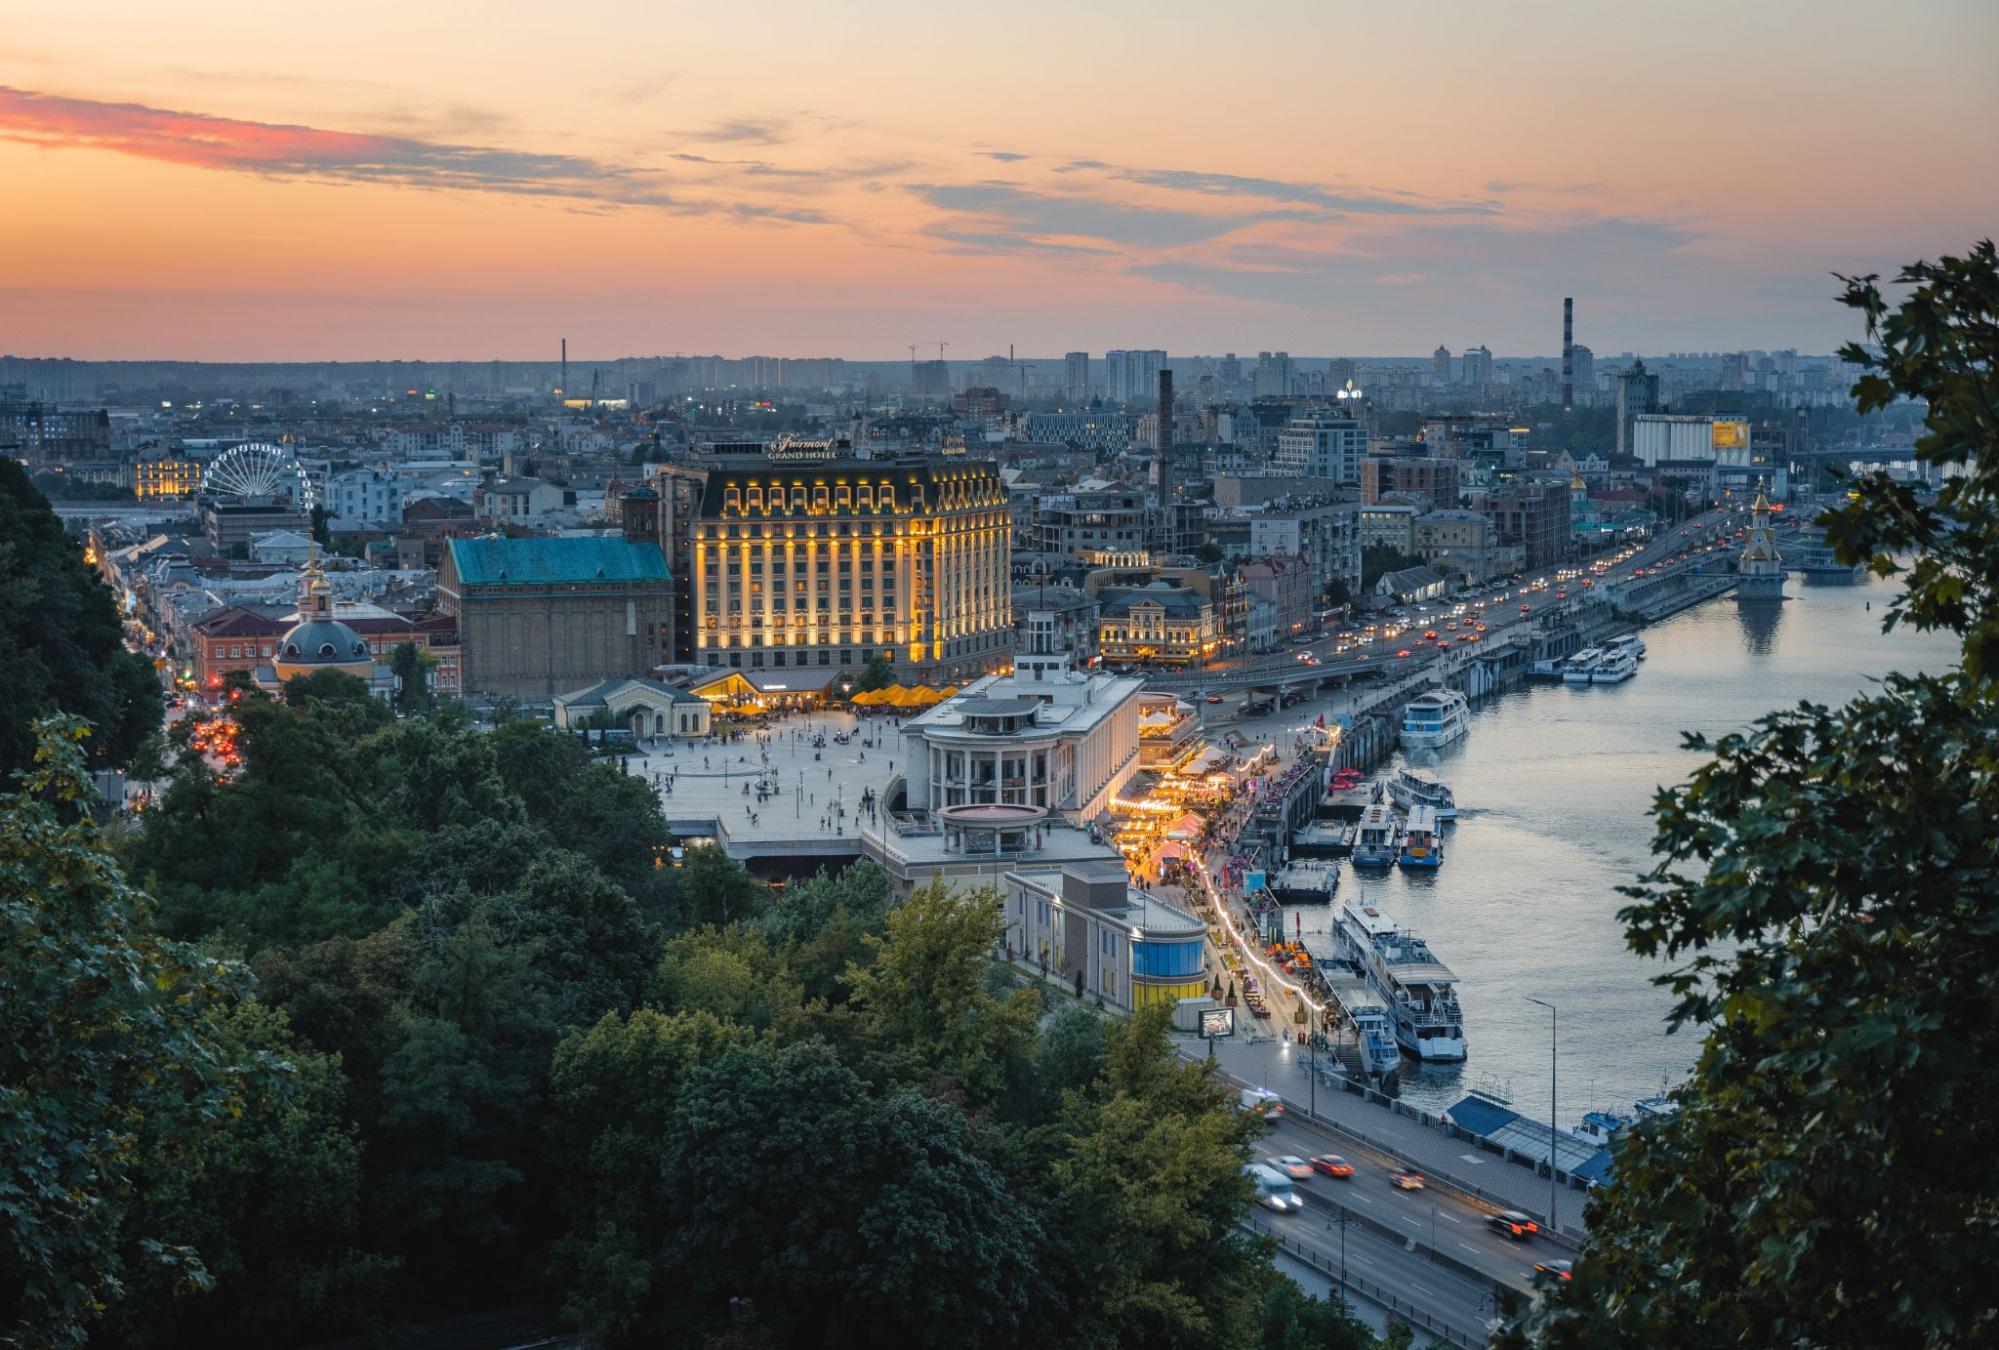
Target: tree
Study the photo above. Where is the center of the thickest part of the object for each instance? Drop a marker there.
(274, 1207)
(61, 647)
(1825, 882)
(903, 1233)
(1291, 1319)
(336, 687)
(1149, 1189)
(878, 673)
(1210, 552)
(717, 890)
(412, 667)
(1380, 559)
(925, 999)
(109, 1057)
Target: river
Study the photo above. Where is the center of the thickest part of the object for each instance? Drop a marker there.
(1553, 786)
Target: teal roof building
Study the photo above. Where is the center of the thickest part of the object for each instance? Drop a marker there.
(539, 617)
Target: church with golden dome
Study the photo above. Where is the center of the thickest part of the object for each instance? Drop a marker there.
(1761, 568)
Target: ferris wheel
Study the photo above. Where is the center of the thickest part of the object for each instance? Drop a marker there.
(259, 469)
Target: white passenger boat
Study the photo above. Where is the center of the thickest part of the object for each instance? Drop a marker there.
(1628, 642)
(1435, 719)
(1412, 787)
(1420, 990)
(1420, 845)
(1581, 668)
(1377, 837)
(1615, 667)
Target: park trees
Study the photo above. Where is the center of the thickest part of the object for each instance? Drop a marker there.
(111, 1060)
(1825, 885)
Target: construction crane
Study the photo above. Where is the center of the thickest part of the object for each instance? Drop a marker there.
(940, 348)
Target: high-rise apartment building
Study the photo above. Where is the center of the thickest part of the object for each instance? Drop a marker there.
(1273, 374)
(1478, 366)
(1440, 366)
(1076, 376)
(1130, 376)
(1637, 393)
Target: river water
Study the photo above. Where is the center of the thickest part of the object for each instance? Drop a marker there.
(1553, 786)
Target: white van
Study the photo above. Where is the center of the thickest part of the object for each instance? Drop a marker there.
(1260, 1101)
(1274, 1190)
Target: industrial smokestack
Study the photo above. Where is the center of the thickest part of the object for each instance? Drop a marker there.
(564, 390)
(1163, 440)
(1568, 352)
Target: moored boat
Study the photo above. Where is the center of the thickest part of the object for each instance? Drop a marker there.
(1412, 788)
(1377, 836)
(1420, 845)
(1435, 719)
(1420, 990)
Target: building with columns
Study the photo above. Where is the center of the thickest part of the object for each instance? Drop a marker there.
(833, 562)
(1046, 736)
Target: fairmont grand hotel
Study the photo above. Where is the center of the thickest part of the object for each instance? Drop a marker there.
(781, 562)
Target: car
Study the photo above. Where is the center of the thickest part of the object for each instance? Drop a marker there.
(1403, 652)
(1429, 632)
(1527, 609)
(1512, 1223)
(1403, 1179)
(1332, 1164)
(1453, 623)
(1561, 595)
(1443, 646)
(1361, 657)
(1214, 698)
(1561, 1270)
(1293, 1166)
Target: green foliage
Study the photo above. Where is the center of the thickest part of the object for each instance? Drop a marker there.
(273, 1206)
(896, 1229)
(336, 687)
(1379, 559)
(111, 1059)
(412, 667)
(1149, 1188)
(716, 890)
(1291, 1319)
(1825, 885)
(878, 673)
(61, 647)
(925, 1001)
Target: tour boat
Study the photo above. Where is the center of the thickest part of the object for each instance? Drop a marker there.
(1582, 666)
(1615, 667)
(1420, 845)
(1420, 990)
(1412, 788)
(1435, 719)
(1377, 836)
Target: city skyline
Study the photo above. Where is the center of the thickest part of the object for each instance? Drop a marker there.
(852, 182)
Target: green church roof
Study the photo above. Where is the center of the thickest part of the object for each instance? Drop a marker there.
(543, 562)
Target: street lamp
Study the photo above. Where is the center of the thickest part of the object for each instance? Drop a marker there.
(1553, 1023)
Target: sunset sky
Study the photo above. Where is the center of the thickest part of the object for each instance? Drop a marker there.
(214, 180)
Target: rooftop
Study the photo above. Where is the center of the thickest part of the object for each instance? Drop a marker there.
(497, 562)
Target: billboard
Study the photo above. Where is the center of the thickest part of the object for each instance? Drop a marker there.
(1217, 1022)
(1729, 435)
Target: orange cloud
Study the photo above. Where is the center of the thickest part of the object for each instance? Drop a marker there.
(199, 140)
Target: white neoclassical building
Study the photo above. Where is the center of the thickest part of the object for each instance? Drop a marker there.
(1045, 736)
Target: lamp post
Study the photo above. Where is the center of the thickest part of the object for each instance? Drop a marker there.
(1554, 1018)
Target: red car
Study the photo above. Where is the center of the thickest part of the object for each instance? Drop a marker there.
(1527, 609)
(1403, 652)
(1332, 1164)
(1561, 595)
(1429, 632)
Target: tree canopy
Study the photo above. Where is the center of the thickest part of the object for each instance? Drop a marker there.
(1825, 885)
(61, 647)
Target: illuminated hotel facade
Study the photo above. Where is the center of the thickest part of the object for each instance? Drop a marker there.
(828, 563)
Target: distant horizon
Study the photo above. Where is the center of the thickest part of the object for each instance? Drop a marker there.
(214, 183)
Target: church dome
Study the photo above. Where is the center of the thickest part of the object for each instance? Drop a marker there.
(318, 641)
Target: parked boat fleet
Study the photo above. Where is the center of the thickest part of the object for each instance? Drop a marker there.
(1398, 995)
(1612, 663)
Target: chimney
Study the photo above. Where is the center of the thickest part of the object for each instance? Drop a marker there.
(565, 367)
(1162, 443)
(1568, 352)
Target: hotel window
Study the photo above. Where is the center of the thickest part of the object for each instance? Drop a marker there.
(843, 497)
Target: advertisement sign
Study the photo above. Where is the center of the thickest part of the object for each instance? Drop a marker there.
(1217, 1023)
(1729, 435)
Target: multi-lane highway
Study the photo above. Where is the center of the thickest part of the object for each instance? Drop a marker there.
(1499, 607)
